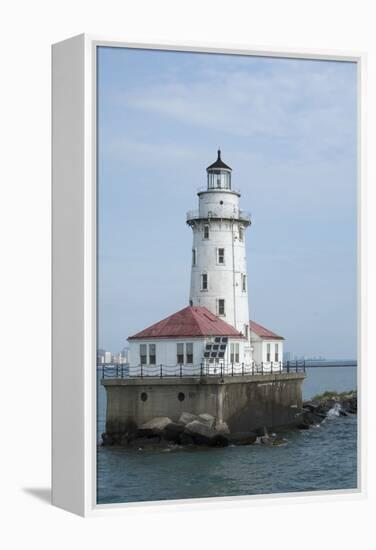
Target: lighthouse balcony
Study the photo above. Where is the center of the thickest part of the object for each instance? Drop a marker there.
(218, 189)
(241, 216)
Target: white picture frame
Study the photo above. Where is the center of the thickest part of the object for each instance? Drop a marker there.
(74, 268)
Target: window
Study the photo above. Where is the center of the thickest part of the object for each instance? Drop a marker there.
(221, 307)
(234, 353)
(189, 353)
(206, 231)
(143, 354)
(241, 233)
(244, 282)
(194, 256)
(218, 179)
(180, 354)
(220, 255)
(246, 331)
(268, 352)
(152, 355)
(276, 354)
(204, 281)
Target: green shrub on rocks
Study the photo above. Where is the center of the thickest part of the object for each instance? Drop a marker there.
(337, 396)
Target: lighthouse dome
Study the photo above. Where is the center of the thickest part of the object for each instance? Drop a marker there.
(219, 174)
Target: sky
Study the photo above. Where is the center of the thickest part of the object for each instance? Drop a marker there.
(288, 129)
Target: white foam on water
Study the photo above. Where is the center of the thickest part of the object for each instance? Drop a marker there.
(334, 411)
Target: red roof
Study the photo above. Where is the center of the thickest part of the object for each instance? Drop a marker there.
(263, 332)
(189, 322)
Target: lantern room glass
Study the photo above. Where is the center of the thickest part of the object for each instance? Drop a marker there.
(219, 179)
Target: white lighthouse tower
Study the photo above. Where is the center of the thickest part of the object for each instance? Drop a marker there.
(219, 267)
(214, 332)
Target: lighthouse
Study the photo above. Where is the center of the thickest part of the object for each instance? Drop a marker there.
(208, 358)
(219, 279)
(214, 332)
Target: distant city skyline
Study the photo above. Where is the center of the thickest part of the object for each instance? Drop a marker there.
(288, 129)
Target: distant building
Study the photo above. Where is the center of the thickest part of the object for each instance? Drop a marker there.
(119, 358)
(124, 354)
(100, 356)
(108, 357)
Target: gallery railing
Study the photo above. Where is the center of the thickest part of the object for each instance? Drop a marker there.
(202, 370)
(240, 215)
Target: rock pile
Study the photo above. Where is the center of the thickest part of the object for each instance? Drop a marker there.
(204, 429)
(327, 404)
(190, 429)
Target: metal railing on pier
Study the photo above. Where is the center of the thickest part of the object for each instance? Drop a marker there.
(201, 370)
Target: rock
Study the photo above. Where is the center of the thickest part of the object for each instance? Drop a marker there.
(303, 426)
(349, 405)
(314, 412)
(279, 440)
(173, 431)
(125, 440)
(153, 427)
(186, 439)
(116, 437)
(151, 442)
(222, 428)
(107, 439)
(264, 440)
(186, 418)
(197, 427)
(311, 418)
(201, 434)
(206, 419)
(271, 440)
(219, 440)
(158, 423)
(242, 438)
(311, 405)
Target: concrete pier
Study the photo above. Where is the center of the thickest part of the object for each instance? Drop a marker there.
(245, 403)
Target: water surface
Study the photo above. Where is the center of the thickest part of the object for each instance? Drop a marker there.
(318, 459)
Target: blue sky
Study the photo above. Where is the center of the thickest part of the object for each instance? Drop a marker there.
(288, 130)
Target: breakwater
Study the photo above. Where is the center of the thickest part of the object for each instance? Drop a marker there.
(237, 403)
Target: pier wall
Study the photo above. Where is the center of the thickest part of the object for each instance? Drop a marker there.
(245, 403)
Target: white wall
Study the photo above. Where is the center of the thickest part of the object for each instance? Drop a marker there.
(166, 351)
(224, 280)
(260, 349)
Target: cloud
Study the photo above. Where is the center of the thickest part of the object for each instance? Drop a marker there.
(141, 149)
(310, 103)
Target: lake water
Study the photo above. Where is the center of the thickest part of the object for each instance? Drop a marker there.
(321, 458)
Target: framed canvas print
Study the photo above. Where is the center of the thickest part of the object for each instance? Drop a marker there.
(206, 274)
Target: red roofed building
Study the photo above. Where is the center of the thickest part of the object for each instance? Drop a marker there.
(188, 322)
(193, 337)
(196, 338)
(267, 346)
(263, 332)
